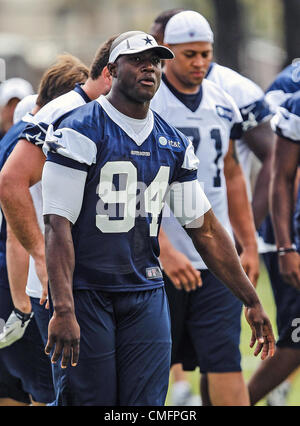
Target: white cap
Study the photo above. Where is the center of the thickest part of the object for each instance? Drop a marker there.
(24, 106)
(14, 88)
(186, 27)
(135, 42)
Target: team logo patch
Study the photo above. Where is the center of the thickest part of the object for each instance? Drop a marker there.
(52, 139)
(168, 142)
(224, 112)
(153, 273)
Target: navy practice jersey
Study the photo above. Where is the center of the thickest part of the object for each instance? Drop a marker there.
(7, 144)
(283, 87)
(35, 132)
(286, 124)
(286, 83)
(116, 233)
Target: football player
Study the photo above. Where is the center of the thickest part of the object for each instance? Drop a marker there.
(11, 92)
(108, 168)
(256, 138)
(27, 371)
(280, 254)
(24, 166)
(210, 117)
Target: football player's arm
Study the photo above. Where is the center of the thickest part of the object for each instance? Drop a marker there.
(219, 254)
(177, 266)
(240, 214)
(260, 141)
(22, 170)
(17, 260)
(214, 245)
(286, 158)
(61, 206)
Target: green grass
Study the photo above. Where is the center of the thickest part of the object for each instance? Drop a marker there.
(249, 362)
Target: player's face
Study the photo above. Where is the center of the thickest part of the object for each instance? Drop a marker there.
(139, 75)
(191, 63)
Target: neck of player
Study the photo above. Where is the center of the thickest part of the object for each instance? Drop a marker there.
(182, 85)
(128, 106)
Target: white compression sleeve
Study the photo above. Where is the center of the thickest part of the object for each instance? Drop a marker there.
(63, 190)
(188, 202)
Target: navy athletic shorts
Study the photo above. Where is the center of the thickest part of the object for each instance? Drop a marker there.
(42, 316)
(11, 387)
(206, 326)
(125, 350)
(25, 362)
(287, 300)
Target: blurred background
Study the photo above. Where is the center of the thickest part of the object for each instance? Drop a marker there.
(254, 37)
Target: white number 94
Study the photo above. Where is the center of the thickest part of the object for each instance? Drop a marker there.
(154, 196)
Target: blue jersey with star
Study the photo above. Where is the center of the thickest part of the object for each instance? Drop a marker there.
(7, 144)
(36, 130)
(116, 234)
(286, 83)
(283, 87)
(286, 124)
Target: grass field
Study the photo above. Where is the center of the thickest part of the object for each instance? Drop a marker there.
(249, 362)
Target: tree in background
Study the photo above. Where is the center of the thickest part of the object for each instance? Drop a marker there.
(291, 19)
(229, 32)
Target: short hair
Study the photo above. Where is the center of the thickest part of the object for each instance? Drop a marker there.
(101, 58)
(60, 78)
(161, 21)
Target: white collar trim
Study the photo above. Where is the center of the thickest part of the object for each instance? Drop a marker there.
(118, 118)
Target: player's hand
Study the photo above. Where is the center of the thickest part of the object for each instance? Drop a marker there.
(289, 267)
(250, 261)
(64, 339)
(41, 270)
(180, 270)
(262, 332)
(44, 297)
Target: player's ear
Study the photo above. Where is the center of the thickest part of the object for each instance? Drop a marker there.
(112, 69)
(106, 74)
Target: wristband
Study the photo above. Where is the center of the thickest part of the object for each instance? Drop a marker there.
(22, 316)
(283, 250)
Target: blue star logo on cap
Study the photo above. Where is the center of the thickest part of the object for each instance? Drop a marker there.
(148, 40)
(191, 34)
